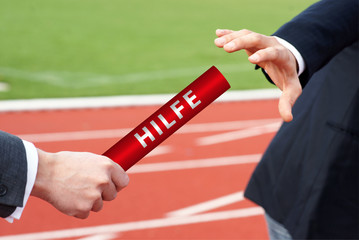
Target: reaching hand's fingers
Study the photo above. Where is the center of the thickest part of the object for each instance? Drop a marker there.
(267, 54)
(279, 63)
(221, 41)
(285, 108)
(248, 41)
(288, 98)
(222, 32)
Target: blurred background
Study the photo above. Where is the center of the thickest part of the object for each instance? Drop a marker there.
(67, 48)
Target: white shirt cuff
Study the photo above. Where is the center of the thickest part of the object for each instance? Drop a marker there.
(294, 51)
(32, 164)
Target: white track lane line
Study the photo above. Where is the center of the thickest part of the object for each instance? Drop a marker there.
(139, 225)
(117, 133)
(105, 236)
(125, 100)
(240, 134)
(183, 216)
(159, 150)
(193, 164)
(208, 205)
(75, 135)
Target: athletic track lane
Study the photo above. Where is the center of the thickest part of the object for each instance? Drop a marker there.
(190, 187)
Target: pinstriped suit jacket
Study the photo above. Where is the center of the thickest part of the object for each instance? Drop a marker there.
(13, 173)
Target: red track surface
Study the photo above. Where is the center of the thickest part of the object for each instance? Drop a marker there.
(140, 210)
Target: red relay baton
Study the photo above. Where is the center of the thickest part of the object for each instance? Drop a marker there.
(168, 119)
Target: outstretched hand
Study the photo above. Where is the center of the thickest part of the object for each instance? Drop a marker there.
(274, 58)
(77, 182)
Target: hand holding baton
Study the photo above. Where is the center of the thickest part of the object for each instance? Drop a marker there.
(168, 119)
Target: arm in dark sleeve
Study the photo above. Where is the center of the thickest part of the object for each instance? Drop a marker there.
(13, 173)
(322, 31)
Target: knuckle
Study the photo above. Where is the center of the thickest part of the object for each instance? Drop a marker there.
(275, 52)
(97, 209)
(227, 38)
(110, 196)
(82, 215)
(256, 38)
(94, 196)
(123, 182)
(89, 199)
(274, 40)
(85, 207)
(245, 31)
(103, 181)
(280, 49)
(107, 165)
(114, 196)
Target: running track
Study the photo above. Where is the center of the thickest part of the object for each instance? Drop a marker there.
(190, 187)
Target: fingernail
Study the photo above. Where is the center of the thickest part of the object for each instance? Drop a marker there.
(230, 45)
(220, 41)
(254, 57)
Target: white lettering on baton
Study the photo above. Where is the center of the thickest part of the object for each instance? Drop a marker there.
(190, 99)
(146, 135)
(164, 121)
(176, 108)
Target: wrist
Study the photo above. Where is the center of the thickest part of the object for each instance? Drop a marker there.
(44, 173)
(297, 56)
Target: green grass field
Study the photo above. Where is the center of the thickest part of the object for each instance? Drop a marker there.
(63, 48)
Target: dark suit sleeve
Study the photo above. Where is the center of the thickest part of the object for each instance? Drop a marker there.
(322, 31)
(13, 173)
